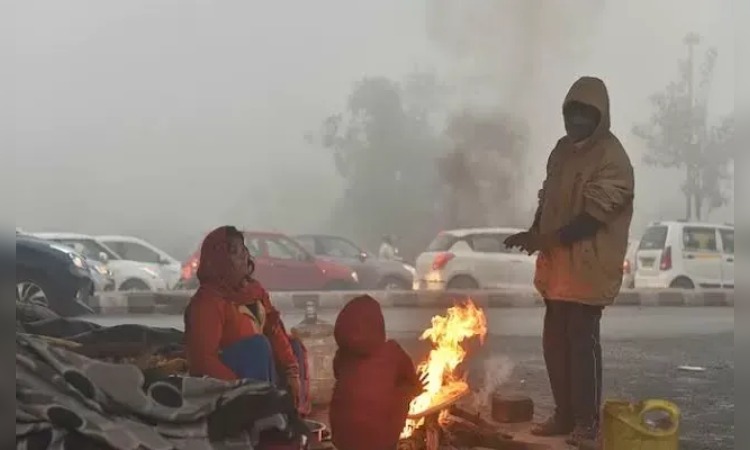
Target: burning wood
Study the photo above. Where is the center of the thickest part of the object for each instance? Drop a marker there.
(444, 386)
(458, 428)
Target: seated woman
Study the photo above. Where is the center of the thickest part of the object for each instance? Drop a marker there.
(231, 329)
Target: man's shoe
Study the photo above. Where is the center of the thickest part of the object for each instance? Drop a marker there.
(554, 426)
(583, 437)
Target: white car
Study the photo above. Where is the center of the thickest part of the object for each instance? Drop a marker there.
(629, 265)
(686, 255)
(128, 275)
(474, 258)
(136, 249)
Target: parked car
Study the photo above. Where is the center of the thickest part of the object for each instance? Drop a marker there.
(686, 255)
(629, 266)
(135, 249)
(474, 258)
(128, 275)
(373, 272)
(281, 264)
(104, 279)
(51, 275)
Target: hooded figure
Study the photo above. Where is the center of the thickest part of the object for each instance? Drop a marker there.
(375, 380)
(581, 232)
(231, 328)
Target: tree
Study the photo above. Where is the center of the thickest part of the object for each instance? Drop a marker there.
(384, 148)
(680, 135)
(483, 172)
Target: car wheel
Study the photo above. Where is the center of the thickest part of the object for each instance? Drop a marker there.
(463, 282)
(682, 283)
(394, 284)
(31, 292)
(134, 285)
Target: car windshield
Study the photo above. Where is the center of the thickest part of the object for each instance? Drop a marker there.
(340, 248)
(441, 243)
(654, 238)
(89, 248)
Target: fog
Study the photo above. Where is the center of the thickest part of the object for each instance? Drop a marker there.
(163, 119)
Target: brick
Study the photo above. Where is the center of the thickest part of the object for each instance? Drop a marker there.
(671, 298)
(628, 298)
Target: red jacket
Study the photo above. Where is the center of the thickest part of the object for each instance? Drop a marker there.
(213, 323)
(375, 380)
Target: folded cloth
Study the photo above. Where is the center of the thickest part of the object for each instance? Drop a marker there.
(251, 358)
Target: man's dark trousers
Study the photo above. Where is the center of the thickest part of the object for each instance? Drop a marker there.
(573, 355)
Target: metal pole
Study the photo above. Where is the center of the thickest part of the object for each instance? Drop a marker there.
(691, 40)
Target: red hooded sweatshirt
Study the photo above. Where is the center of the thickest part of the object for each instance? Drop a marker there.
(375, 380)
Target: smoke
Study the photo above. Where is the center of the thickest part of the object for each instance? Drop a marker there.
(517, 57)
(497, 371)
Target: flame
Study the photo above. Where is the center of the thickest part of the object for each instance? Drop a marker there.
(447, 333)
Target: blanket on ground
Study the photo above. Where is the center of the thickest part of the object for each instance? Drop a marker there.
(65, 400)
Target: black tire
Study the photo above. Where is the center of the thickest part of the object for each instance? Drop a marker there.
(134, 284)
(682, 283)
(339, 285)
(394, 283)
(463, 282)
(187, 285)
(32, 288)
(58, 299)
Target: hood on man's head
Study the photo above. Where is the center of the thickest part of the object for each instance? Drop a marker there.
(591, 91)
(360, 326)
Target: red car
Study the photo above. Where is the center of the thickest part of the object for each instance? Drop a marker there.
(281, 264)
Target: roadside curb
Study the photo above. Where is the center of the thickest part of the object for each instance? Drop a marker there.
(174, 302)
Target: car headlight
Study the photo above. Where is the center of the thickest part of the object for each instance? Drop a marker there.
(150, 271)
(355, 277)
(77, 261)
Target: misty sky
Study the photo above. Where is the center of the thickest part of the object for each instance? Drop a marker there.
(165, 118)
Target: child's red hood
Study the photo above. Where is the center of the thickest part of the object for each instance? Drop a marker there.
(360, 326)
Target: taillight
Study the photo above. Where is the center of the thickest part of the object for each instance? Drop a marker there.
(626, 267)
(190, 267)
(666, 259)
(441, 259)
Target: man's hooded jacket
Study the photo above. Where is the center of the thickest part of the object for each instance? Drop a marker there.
(594, 176)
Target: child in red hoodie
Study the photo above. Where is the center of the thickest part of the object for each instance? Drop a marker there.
(375, 380)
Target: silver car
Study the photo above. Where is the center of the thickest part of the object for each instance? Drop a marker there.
(373, 272)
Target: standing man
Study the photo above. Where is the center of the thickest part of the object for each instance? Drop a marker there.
(580, 230)
(387, 249)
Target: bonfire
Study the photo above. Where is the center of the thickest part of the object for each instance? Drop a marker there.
(444, 384)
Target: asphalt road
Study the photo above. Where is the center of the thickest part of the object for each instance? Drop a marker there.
(643, 349)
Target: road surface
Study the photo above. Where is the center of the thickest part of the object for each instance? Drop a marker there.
(643, 349)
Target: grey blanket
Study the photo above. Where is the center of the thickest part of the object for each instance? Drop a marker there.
(65, 400)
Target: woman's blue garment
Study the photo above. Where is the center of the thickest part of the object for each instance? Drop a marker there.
(252, 358)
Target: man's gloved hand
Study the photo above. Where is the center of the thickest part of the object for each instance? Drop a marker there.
(531, 243)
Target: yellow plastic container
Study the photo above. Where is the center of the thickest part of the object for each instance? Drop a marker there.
(646, 425)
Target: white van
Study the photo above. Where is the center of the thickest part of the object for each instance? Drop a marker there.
(686, 255)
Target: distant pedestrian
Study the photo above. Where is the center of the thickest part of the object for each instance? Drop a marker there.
(387, 249)
(580, 230)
